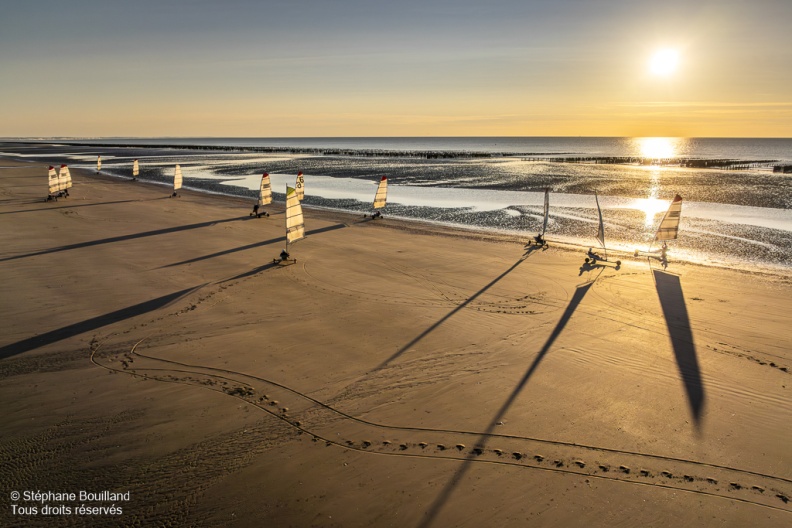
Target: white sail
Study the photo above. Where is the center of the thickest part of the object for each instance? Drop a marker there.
(669, 226)
(135, 168)
(64, 178)
(177, 178)
(52, 176)
(98, 163)
(382, 193)
(300, 186)
(265, 191)
(601, 228)
(68, 178)
(546, 209)
(295, 227)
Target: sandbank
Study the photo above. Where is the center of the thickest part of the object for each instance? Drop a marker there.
(399, 374)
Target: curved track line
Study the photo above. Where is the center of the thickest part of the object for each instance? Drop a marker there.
(519, 459)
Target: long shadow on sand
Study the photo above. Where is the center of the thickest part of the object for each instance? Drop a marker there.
(90, 324)
(444, 495)
(589, 266)
(121, 238)
(50, 208)
(672, 300)
(252, 272)
(251, 246)
(470, 299)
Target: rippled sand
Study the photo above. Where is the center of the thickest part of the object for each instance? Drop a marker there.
(399, 374)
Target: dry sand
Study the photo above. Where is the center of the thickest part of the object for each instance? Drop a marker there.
(398, 374)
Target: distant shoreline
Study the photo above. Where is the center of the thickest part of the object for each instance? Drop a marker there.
(152, 347)
(776, 165)
(599, 147)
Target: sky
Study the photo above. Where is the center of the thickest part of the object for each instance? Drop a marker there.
(313, 68)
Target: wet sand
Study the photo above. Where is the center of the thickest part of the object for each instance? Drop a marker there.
(399, 374)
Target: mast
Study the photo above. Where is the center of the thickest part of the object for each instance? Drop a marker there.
(546, 210)
(300, 186)
(295, 226)
(382, 193)
(669, 225)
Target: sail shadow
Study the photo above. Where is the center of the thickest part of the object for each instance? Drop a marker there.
(672, 301)
(447, 316)
(224, 252)
(251, 246)
(122, 238)
(72, 206)
(66, 332)
(250, 273)
(445, 494)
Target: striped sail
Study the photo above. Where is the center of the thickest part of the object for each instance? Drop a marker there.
(64, 178)
(52, 176)
(300, 186)
(546, 210)
(295, 227)
(98, 163)
(382, 193)
(265, 191)
(68, 178)
(177, 178)
(669, 226)
(601, 228)
(135, 168)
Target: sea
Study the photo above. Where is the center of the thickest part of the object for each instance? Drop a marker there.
(737, 192)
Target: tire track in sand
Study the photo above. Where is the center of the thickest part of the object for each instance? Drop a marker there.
(328, 426)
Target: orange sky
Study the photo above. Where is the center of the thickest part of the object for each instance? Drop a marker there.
(431, 68)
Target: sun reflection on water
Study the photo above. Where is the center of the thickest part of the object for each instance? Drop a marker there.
(657, 149)
(650, 207)
(660, 148)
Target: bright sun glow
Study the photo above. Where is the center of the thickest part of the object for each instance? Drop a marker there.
(664, 62)
(650, 207)
(657, 147)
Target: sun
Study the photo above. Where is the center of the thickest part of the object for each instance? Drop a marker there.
(664, 62)
(657, 147)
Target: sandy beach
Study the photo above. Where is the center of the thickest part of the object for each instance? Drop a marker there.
(399, 374)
